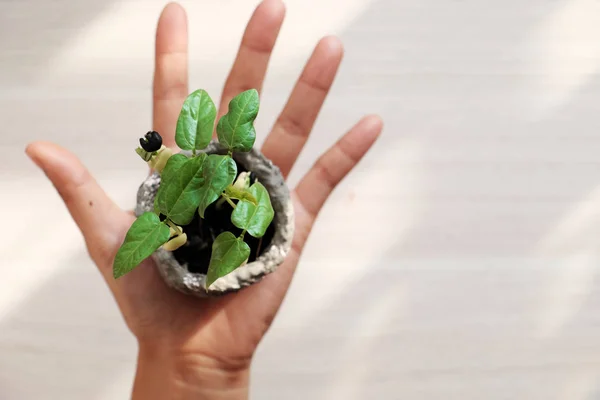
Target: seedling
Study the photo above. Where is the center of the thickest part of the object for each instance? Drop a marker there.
(190, 184)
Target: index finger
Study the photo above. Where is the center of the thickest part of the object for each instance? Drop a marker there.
(252, 60)
(170, 86)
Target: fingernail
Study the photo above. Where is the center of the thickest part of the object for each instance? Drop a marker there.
(373, 124)
(31, 156)
(375, 121)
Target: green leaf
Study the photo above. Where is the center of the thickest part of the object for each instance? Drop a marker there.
(144, 237)
(170, 170)
(196, 121)
(173, 164)
(228, 253)
(218, 173)
(180, 193)
(254, 218)
(235, 129)
(156, 208)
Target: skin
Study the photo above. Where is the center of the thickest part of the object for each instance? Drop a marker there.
(188, 347)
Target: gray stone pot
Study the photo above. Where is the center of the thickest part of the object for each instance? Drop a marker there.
(178, 277)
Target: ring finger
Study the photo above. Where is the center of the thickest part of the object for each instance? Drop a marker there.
(291, 130)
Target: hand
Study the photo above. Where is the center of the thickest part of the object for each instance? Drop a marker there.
(188, 346)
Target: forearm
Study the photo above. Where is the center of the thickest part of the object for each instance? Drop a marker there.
(164, 377)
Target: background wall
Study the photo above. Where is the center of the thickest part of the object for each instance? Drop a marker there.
(460, 261)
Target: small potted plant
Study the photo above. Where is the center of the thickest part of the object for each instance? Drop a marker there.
(216, 216)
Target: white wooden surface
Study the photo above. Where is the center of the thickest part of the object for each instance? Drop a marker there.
(460, 261)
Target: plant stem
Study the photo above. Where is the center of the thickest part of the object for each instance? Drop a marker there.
(228, 199)
(194, 152)
(258, 247)
(220, 202)
(152, 161)
(230, 202)
(175, 227)
(242, 234)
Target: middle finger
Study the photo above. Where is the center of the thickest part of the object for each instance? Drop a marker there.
(250, 66)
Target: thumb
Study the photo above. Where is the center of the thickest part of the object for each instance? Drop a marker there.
(96, 215)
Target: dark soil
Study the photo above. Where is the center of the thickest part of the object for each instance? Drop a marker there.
(202, 232)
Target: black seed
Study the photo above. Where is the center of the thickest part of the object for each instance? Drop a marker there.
(252, 178)
(151, 142)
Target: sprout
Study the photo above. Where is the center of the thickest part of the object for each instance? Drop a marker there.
(243, 181)
(161, 158)
(175, 243)
(191, 183)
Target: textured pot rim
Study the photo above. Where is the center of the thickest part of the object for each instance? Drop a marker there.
(178, 277)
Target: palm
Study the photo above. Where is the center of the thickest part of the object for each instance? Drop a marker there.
(227, 328)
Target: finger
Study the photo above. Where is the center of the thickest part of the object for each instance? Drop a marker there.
(293, 126)
(96, 215)
(250, 65)
(316, 186)
(265, 297)
(170, 86)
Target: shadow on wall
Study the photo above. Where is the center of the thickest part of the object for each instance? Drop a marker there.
(66, 341)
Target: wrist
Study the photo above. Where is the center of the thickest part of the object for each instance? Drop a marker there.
(166, 375)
